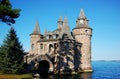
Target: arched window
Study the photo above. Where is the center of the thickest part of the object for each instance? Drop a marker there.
(50, 48)
(41, 46)
(57, 35)
(55, 45)
(50, 36)
(32, 46)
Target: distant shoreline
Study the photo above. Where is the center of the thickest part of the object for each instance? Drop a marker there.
(107, 60)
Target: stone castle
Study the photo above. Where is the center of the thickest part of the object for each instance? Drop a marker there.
(65, 51)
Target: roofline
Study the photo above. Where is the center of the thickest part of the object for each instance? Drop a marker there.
(82, 27)
(35, 34)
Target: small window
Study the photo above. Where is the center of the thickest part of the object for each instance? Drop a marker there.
(50, 48)
(54, 36)
(50, 36)
(47, 37)
(86, 30)
(41, 46)
(32, 46)
(57, 35)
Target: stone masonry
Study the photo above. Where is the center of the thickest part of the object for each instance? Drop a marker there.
(64, 50)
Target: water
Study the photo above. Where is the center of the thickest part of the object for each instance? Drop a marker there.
(102, 70)
(106, 70)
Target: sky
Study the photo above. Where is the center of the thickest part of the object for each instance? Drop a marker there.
(103, 15)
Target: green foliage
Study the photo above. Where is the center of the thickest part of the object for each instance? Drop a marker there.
(7, 14)
(11, 54)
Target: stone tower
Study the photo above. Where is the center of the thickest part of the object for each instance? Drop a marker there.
(82, 33)
(35, 37)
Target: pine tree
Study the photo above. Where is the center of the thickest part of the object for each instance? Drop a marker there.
(11, 51)
(7, 13)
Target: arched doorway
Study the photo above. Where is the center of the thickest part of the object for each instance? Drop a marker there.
(51, 48)
(43, 67)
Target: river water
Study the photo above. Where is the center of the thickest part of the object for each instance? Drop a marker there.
(102, 70)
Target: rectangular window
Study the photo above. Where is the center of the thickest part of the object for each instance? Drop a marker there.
(32, 46)
(54, 36)
(47, 37)
(41, 46)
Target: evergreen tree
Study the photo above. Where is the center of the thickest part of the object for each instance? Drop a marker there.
(11, 54)
(7, 14)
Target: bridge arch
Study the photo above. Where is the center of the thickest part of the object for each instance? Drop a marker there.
(46, 63)
(43, 67)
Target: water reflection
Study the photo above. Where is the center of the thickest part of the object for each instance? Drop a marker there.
(79, 76)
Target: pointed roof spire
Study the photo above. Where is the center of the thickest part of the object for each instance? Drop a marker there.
(60, 22)
(65, 24)
(65, 20)
(65, 29)
(82, 21)
(36, 28)
(82, 15)
(60, 18)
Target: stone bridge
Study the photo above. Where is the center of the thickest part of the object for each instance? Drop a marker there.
(33, 60)
(64, 58)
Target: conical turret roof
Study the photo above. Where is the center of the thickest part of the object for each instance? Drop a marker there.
(65, 29)
(82, 21)
(82, 14)
(36, 28)
(60, 22)
(60, 18)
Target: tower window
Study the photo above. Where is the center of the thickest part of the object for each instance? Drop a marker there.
(32, 46)
(41, 46)
(86, 30)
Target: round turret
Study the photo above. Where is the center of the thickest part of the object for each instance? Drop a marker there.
(82, 34)
(35, 37)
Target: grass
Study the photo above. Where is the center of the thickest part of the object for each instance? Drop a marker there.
(14, 76)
